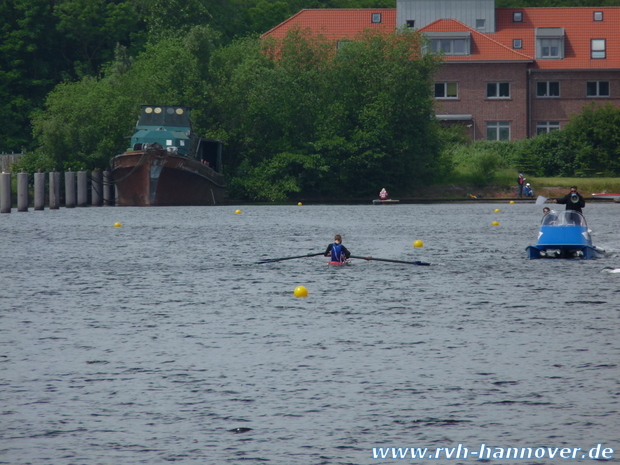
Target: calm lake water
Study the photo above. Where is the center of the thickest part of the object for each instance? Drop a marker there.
(163, 340)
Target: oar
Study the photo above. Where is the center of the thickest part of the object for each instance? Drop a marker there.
(269, 260)
(393, 261)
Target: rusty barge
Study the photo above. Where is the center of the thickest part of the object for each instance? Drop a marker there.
(167, 164)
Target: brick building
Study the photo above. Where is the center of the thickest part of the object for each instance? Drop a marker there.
(508, 73)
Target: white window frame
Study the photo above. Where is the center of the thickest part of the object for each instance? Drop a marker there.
(598, 16)
(450, 90)
(550, 48)
(517, 43)
(517, 17)
(550, 43)
(543, 127)
(598, 49)
(449, 43)
(549, 87)
(498, 130)
(376, 18)
(448, 46)
(597, 92)
(497, 90)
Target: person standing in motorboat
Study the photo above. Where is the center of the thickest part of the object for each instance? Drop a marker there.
(337, 251)
(573, 200)
(383, 195)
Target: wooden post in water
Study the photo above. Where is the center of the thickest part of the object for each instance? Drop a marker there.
(82, 188)
(70, 189)
(39, 191)
(107, 188)
(22, 192)
(96, 197)
(54, 190)
(5, 193)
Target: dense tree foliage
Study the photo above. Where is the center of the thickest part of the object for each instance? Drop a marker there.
(302, 118)
(296, 117)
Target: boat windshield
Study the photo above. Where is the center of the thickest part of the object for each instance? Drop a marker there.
(564, 218)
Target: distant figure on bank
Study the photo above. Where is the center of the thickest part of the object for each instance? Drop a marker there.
(527, 190)
(520, 181)
(337, 251)
(383, 195)
(573, 200)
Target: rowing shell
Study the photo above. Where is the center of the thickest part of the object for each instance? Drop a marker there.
(347, 262)
(604, 195)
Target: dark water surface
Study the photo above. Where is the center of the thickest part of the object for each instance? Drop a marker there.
(162, 341)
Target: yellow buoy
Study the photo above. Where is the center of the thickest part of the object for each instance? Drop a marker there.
(300, 204)
(512, 201)
(237, 212)
(418, 243)
(497, 210)
(117, 225)
(301, 291)
(495, 223)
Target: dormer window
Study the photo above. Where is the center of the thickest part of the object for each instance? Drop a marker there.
(450, 43)
(517, 17)
(517, 43)
(598, 16)
(376, 17)
(550, 43)
(598, 48)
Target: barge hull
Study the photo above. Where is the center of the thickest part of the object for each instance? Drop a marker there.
(158, 178)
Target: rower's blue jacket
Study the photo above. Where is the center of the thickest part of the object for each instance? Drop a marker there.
(339, 252)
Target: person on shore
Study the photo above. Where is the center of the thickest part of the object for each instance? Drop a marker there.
(520, 181)
(337, 251)
(527, 190)
(383, 195)
(573, 200)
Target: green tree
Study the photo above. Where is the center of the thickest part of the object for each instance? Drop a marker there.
(333, 123)
(85, 123)
(596, 134)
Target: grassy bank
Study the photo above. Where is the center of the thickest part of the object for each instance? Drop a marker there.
(506, 187)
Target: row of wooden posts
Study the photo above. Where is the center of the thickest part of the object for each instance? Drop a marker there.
(76, 193)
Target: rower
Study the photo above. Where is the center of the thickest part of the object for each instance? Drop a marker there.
(337, 251)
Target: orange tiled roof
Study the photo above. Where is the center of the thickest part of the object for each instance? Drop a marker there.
(579, 28)
(483, 46)
(337, 24)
